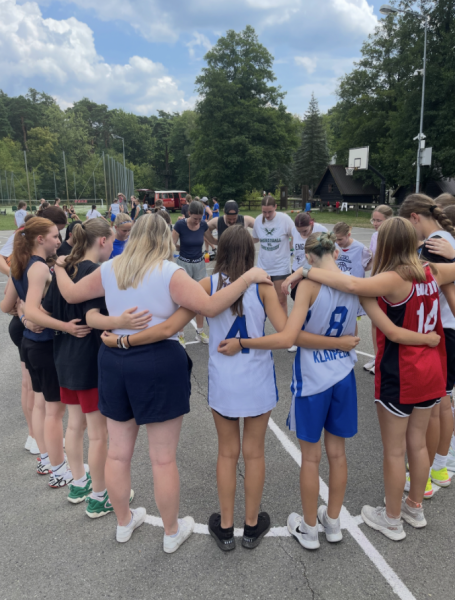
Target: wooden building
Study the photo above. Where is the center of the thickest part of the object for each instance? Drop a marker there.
(433, 188)
(335, 186)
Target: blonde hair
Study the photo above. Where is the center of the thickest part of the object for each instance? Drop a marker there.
(149, 244)
(342, 228)
(427, 207)
(84, 236)
(397, 250)
(320, 244)
(122, 218)
(445, 200)
(385, 210)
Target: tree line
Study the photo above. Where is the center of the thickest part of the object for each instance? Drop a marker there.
(240, 136)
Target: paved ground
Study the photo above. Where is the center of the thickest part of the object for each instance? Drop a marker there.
(50, 549)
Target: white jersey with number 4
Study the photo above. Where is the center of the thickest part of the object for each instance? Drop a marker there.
(242, 385)
(447, 317)
(333, 314)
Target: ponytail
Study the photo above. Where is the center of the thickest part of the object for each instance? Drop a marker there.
(84, 235)
(24, 243)
(426, 206)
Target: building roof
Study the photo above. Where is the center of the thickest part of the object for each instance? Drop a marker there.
(447, 186)
(347, 185)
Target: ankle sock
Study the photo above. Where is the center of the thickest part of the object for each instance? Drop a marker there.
(98, 495)
(249, 530)
(174, 535)
(331, 521)
(439, 462)
(82, 482)
(45, 458)
(59, 470)
(199, 330)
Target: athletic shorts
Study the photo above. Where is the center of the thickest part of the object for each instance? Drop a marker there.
(334, 410)
(450, 350)
(113, 218)
(234, 418)
(196, 271)
(87, 399)
(405, 410)
(16, 331)
(294, 290)
(279, 277)
(150, 384)
(39, 360)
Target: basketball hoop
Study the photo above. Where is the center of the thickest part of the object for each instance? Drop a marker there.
(349, 171)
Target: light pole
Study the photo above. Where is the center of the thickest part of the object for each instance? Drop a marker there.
(386, 9)
(119, 137)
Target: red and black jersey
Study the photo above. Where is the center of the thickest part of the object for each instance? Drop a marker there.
(412, 374)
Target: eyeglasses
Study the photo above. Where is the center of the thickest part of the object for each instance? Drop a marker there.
(373, 221)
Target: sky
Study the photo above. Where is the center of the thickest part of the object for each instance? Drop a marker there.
(144, 55)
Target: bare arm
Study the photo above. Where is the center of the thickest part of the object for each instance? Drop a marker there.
(446, 273)
(210, 239)
(4, 268)
(175, 239)
(127, 320)
(384, 284)
(85, 289)
(213, 223)
(9, 300)
(449, 292)
(272, 307)
(249, 222)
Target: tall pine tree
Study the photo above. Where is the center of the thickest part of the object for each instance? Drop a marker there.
(312, 156)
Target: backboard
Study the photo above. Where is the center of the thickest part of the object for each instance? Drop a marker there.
(358, 158)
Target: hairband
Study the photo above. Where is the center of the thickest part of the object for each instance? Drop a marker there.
(432, 208)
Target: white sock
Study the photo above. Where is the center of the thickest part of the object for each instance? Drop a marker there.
(130, 523)
(331, 521)
(309, 526)
(45, 458)
(59, 470)
(174, 534)
(452, 443)
(199, 329)
(98, 495)
(439, 462)
(81, 482)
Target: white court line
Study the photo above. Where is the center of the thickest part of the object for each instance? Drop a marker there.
(350, 523)
(364, 353)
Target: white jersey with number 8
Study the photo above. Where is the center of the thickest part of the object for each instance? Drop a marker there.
(242, 385)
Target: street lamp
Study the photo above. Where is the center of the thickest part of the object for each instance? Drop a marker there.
(386, 9)
(119, 137)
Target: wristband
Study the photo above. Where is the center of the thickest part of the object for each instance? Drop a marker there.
(240, 342)
(247, 284)
(128, 341)
(123, 344)
(119, 341)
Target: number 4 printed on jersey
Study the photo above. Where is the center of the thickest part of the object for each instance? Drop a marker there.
(430, 321)
(239, 327)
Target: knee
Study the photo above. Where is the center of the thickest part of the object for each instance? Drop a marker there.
(311, 458)
(97, 437)
(397, 452)
(229, 451)
(252, 451)
(162, 461)
(335, 454)
(120, 456)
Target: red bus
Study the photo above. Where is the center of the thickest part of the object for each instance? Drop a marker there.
(172, 199)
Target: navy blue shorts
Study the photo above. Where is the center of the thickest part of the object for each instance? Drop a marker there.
(334, 410)
(149, 383)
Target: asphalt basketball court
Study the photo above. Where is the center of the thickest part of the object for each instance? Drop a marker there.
(51, 549)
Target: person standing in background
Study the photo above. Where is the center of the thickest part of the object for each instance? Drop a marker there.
(20, 214)
(216, 208)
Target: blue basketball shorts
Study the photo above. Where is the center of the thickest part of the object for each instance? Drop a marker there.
(334, 410)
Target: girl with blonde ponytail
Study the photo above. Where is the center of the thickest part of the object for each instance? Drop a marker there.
(77, 366)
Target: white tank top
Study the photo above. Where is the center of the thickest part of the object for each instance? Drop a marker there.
(447, 317)
(151, 294)
(242, 385)
(298, 243)
(333, 314)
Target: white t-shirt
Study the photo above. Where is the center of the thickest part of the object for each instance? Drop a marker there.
(145, 206)
(447, 317)
(115, 209)
(151, 294)
(20, 216)
(299, 242)
(354, 259)
(94, 214)
(275, 250)
(7, 249)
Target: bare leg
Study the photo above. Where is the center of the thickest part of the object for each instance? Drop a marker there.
(419, 462)
(122, 439)
(97, 449)
(74, 440)
(38, 417)
(53, 431)
(309, 480)
(446, 426)
(338, 477)
(253, 454)
(226, 468)
(27, 398)
(375, 339)
(163, 442)
(281, 297)
(200, 321)
(393, 433)
(433, 434)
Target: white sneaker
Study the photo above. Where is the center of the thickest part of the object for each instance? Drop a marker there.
(182, 341)
(308, 537)
(59, 481)
(28, 443)
(451, 460)
(124, 532)
(332, 531)
(172, 544)
(372, 371)
(369, 365)
(377, 519)
(292, 349)
(413, 516)
(202, 337)
(34, 447)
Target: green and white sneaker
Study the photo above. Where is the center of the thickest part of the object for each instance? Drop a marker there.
(99, 508)
(202, 337)
(79, 494)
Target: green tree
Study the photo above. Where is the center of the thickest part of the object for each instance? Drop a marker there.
(182, 148)
(243, 130)
(42, 150)
(312, 156)
(5, 127)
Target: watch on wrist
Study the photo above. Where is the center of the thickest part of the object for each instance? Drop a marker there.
(305, 271)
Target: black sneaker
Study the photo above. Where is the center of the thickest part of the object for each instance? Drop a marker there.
(252, 536)
(223, 537)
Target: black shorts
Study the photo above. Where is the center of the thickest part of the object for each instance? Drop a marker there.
(235, 418)
(39, 360)
(279, 277)
(405, 410)
(294, 289)
(151, 383)
(450, 350)
(16, 331)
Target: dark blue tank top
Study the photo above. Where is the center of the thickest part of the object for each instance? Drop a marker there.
(21, 286)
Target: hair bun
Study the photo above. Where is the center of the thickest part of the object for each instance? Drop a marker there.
(327, 240)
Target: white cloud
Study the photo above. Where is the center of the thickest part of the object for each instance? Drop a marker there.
(199, 39)
(62, 54)
(305, 61)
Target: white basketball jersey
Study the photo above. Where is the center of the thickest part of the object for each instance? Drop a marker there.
(242, 385)
(354, 259)
(333, 314)
(447, 317)
(299, 242)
